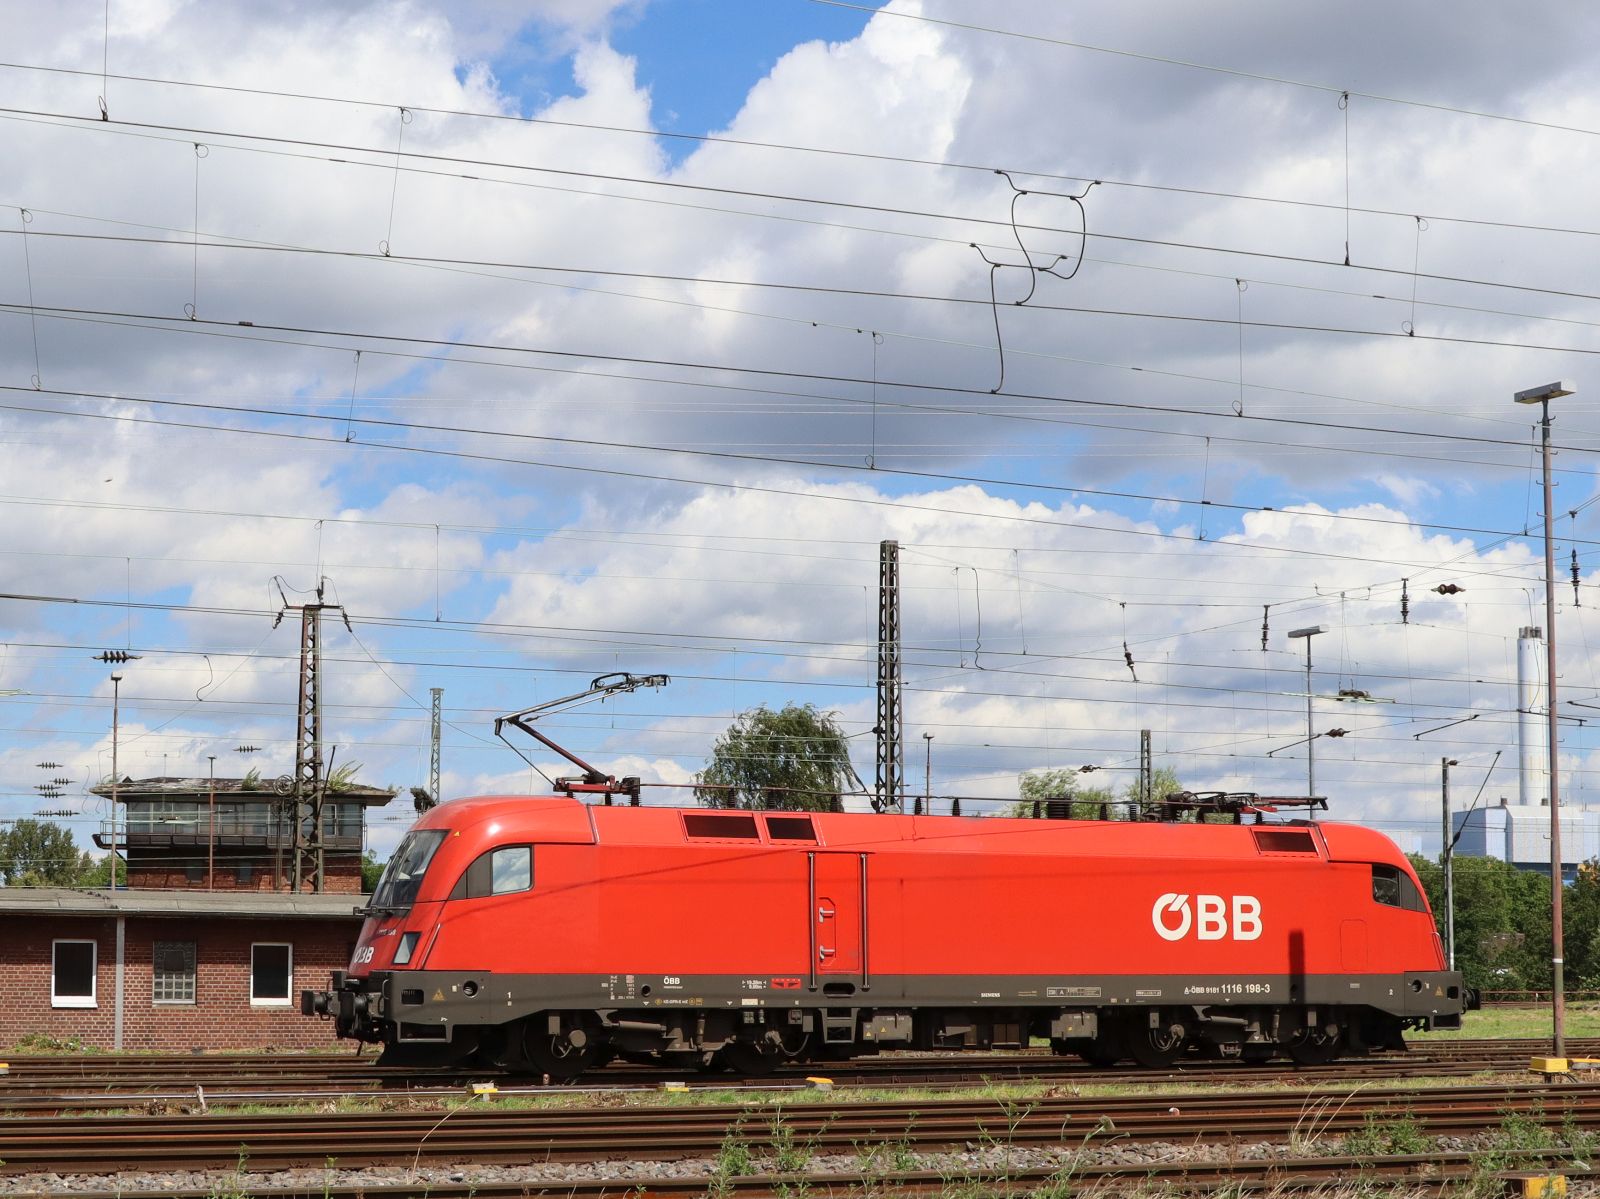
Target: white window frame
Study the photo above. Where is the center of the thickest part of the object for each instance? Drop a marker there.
(78, 1001)
(272, 1001)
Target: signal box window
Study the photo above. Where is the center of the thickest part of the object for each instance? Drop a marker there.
(501, 871)
(1393, 888)
(172, 972)
(271, 974)
(72, 974)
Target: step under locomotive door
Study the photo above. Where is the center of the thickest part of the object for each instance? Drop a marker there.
(838, 914)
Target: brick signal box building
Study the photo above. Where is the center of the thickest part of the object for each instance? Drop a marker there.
(231, 834)
(201, 946)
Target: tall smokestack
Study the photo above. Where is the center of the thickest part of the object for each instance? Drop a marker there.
(1533, 774)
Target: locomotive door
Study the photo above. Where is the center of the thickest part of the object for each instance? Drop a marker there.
(838, 914)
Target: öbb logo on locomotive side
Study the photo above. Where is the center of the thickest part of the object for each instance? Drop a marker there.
(1209, 918)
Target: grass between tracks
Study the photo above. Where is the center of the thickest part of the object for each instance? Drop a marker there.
(1582, 1020)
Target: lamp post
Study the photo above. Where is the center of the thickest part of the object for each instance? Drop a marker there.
(116, 698)
(927, 771)
(1307, 634)
(1542, 396)
(1448, 859)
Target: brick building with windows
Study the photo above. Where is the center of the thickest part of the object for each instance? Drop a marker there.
(168, 970)
(202, 946)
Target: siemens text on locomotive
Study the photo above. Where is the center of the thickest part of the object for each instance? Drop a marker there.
(543, 934)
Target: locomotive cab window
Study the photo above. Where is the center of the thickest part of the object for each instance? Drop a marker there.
(1393, 888)
(402, 877)
(503, 870)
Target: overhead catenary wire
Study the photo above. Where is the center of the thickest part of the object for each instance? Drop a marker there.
(940, 477)
(1100, 177)
(253, 144)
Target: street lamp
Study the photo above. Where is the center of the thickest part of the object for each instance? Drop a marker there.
(1449, 863)
(927, 773)
(1311, 753)
(1542, 396)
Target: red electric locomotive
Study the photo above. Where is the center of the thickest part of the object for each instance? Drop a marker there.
(544, 934)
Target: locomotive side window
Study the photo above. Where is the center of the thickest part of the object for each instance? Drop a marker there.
(1393, 888)
(512, 868)
(726, 826)
(500, 871)
(402, 877)
(790, 828)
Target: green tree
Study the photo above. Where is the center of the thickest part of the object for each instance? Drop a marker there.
(1502, 918)
(1089, 803)
(1084, 803)
(38, 853)
(371, 871)
(796, 757)
(98, 874)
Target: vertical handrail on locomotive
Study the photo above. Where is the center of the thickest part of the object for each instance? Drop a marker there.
(593, 781)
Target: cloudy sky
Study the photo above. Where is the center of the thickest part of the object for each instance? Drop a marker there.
(578, 336)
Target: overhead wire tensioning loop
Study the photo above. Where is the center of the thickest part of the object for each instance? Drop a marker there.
(1034, 270)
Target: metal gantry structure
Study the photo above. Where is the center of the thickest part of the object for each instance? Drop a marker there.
(309, 784)
(433, 757)
(890, 784)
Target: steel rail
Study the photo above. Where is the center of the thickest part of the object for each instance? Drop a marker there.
(30, 1093)
(480, 1133)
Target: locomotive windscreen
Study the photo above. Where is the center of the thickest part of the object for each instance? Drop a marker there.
(402, 877)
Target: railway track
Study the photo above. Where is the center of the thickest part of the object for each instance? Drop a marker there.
(482, 1135)
(1421, 1174)
(43, 1085)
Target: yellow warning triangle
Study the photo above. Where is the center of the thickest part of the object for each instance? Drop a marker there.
(438, 995)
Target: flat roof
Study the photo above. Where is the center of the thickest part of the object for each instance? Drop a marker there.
(267, 905)
(233, 790)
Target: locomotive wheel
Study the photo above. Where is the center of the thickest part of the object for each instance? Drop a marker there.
(555, 1055)
(1156, 1048)
(1315, 1046)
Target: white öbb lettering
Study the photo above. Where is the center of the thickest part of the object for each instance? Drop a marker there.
(1207, 918)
